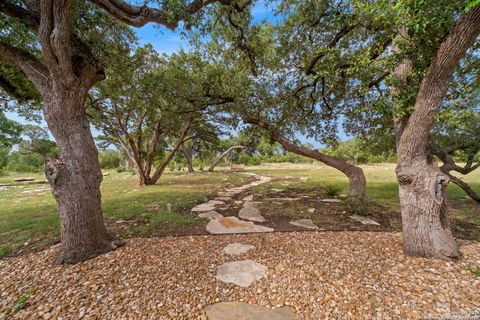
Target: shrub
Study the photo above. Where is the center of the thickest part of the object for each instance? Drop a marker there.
(109, 159)
(356, 204)
(332, 190)
(20, 162)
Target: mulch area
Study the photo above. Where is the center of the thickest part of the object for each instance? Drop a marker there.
(320, 275)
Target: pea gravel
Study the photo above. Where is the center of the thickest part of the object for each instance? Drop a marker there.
(320, 275)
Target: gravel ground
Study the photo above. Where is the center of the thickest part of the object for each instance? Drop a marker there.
(321, 275)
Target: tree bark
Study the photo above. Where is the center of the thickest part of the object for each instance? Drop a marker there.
(356, 177)
(75, 178)
(189, 158)
(181, 139)
(426, 227)
(223, 155)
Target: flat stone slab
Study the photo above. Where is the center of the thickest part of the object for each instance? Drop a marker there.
(225, 194)
(276, 190)
(311, 210)
(229, 225)
(210, 215)
(249, 204)
(242, 273)
(282, 199)
(223, 198)
(364, 220)
(304, 223)
(215, 202)
(204, 207)
(248, 198)
(331, 200)
(237, 248)
(245, 311)
(251, 213)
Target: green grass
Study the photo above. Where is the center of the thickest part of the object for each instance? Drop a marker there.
(32, 221)
(381, 181)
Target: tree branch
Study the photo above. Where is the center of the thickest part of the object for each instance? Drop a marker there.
(17, 12)
(28, 63)
(138, 16)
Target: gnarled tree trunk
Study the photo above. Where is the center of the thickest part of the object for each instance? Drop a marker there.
(144, 167)
(356, 177)
(187, 153)
(426, 227)
(75, 178)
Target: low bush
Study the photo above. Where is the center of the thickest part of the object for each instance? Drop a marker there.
(332, 190)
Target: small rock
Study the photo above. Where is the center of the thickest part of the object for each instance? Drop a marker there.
(364, 220)
(331, 200)
(237, 248)
(304, 223)
(251, 214)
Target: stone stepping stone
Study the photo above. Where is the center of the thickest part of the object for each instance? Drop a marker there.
(249, 204)
(331, 200)
(204, 207)
(311, 210)
(304, 223)
(282, 199)
(215, 202)
(210, 215)
(229, 225)
(237, 248)
(248, 198)
(223, 198)
(364, 220)
(276, 190)
(225, 194)
(251, 213)
(245, 311)
(242, 273)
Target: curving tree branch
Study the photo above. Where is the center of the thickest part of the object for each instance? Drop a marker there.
(28, 63)
(138, 16)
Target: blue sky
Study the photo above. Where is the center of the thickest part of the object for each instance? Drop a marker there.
(168, 42)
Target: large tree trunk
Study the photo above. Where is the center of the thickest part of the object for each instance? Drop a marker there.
(356, 177)
(426, 228)
(75, 178)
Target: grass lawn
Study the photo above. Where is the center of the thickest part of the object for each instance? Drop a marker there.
(382, 188)
(29, 221)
